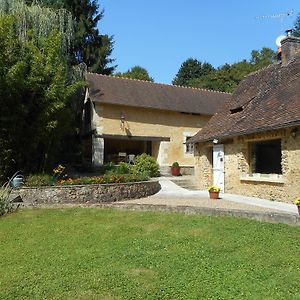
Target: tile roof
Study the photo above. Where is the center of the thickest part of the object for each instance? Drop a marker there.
(138, 93)
(264, 100)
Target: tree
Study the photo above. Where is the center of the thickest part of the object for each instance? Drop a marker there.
(136, 72)
(227, 77)
(297, 27)
(191, 69)
(262, 58)
(90, 47)
(37, 90)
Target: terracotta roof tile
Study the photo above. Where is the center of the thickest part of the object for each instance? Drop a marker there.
(265, 100)
(130, 92)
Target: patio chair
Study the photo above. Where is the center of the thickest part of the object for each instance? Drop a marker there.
(131, 159)
(122, 156)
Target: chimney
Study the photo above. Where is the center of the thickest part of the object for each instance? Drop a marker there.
(290, 48)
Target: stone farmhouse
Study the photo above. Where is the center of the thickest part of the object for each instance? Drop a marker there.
(126, 117)
(252, 145)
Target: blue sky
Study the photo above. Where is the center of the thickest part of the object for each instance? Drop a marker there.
(160, 34)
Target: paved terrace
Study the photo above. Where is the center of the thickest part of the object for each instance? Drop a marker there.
(173, 197)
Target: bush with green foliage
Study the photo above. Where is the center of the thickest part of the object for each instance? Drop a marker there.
(40, 180)
(145, 163)
(106, 178)
(175, 164)
(109, 167)
(123, 168)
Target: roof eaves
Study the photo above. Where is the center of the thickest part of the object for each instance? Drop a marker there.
(151, 107)
(241, 133)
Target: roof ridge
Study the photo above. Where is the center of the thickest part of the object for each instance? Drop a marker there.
(157, 83)
(263, 69)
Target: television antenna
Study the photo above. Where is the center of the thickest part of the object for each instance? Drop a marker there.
(279, 16)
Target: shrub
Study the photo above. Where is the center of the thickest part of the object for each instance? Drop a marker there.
(147, 164)
(40, 180)
(107, 178)
(109, 167)
(123, 168)
(175, 164)
(5, 205)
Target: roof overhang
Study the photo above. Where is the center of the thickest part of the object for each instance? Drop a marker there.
(243, 133)
(133, 137)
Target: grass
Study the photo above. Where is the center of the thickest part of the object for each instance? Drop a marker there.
(108, 254)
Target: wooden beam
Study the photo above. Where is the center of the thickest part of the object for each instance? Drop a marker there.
(133, 137)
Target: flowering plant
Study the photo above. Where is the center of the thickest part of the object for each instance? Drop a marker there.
(58, 172)
(214, 188)
(297, 201)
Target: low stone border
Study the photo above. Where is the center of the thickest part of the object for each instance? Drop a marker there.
(92, 193)
(271, 217)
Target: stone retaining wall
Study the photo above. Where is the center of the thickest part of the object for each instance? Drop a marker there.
(93, 193)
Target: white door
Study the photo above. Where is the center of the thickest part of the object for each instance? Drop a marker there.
(218, 166)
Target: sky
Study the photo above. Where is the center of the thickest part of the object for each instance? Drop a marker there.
(160, 35)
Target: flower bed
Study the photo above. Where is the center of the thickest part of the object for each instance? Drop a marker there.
(104, 179)
(120, 182)
(90, 193)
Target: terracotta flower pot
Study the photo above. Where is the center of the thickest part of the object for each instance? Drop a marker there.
(175, 171)
(214, 195)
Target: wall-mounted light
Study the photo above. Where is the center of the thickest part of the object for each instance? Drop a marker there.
(215, 141)
(294, 132)
(122, 121)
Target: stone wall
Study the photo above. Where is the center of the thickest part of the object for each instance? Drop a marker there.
(146, 122)
(93, 193)
(203, 165)
(283, 187)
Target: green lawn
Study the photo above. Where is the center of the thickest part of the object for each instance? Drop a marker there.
(87, 253)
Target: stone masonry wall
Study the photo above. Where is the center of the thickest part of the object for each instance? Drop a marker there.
(148, 122)
(203, 165)
(93, 193)
(238, 178)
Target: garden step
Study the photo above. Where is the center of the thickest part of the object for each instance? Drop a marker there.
(186, 184)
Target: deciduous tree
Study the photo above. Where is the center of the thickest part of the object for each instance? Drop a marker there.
(136, 72)
(90, 47)
(37, 90)
(227, 77)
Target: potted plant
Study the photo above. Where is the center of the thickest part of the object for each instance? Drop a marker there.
(214, 192)
(175, 169)
(297, 202)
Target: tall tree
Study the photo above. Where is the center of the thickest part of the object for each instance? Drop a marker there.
(262, 58)
(297, 26)
(37, 89)
(191, 69)
(227, 77)
(90, 47)
(136, 72)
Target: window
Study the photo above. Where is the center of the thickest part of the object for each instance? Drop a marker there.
(189, 148)
(266, 157)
